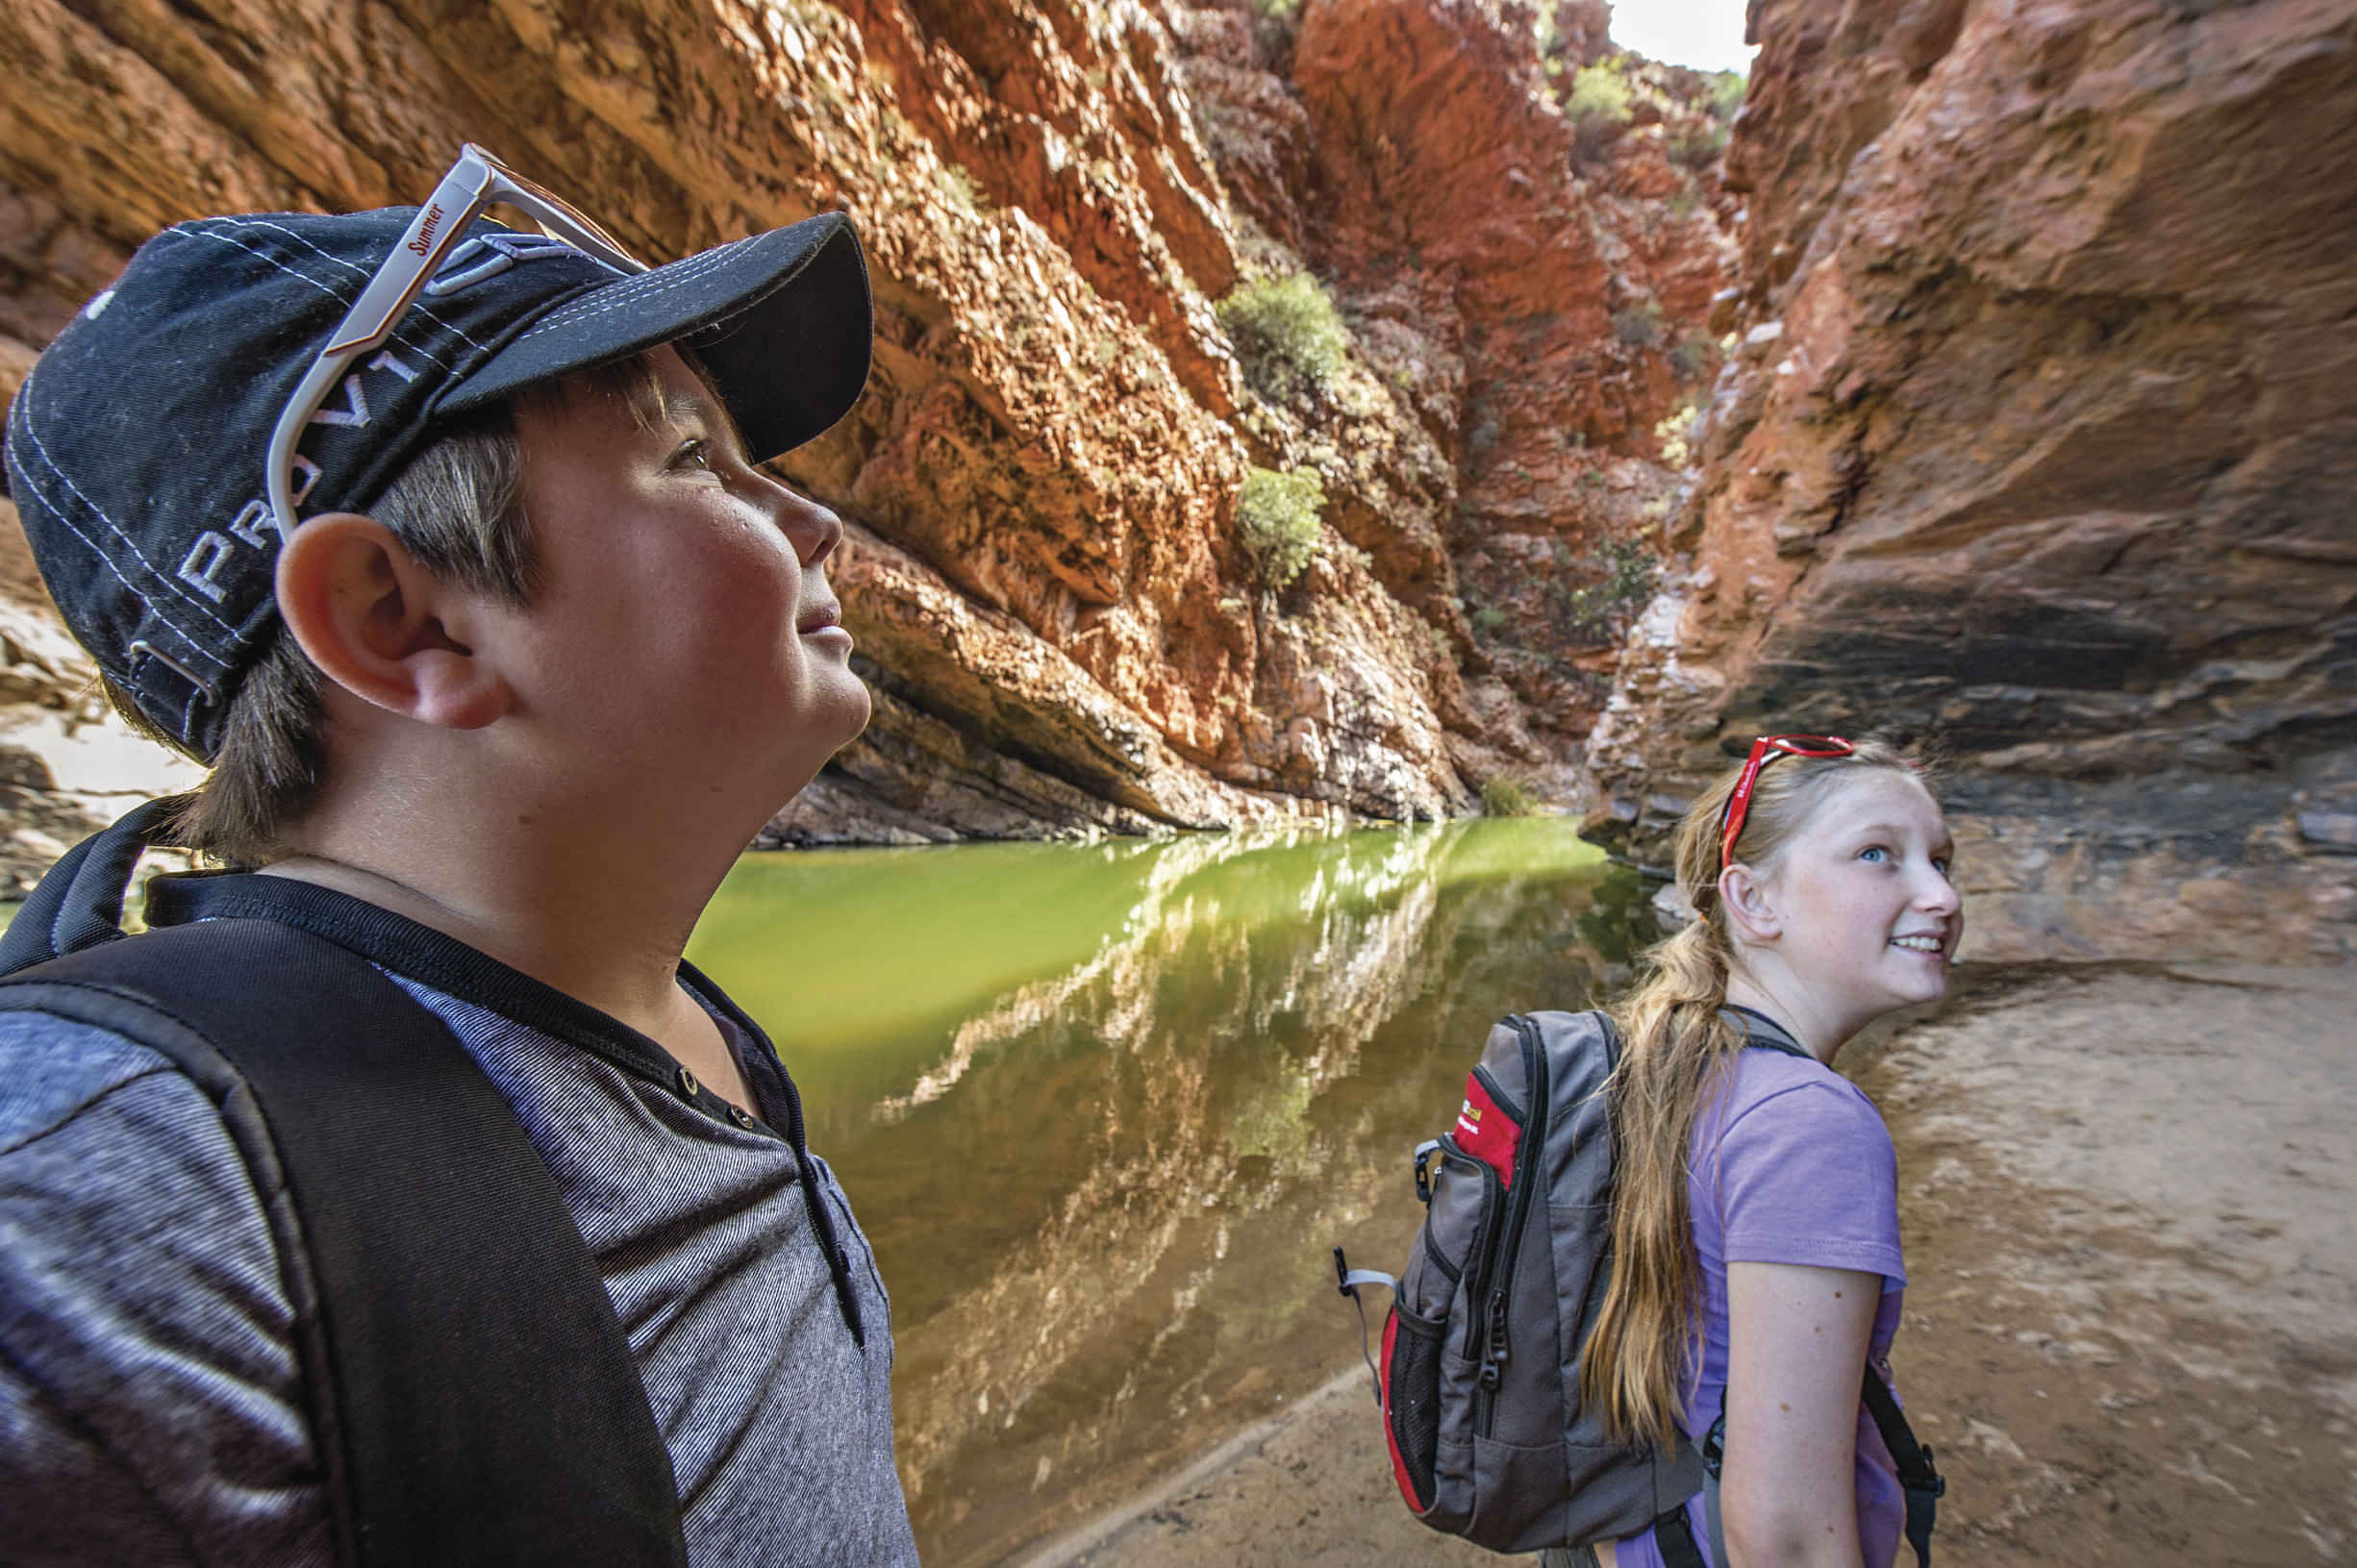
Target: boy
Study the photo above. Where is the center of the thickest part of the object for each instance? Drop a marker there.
(445, 544)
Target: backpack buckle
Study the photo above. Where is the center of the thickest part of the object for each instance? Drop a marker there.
(1424, 1152)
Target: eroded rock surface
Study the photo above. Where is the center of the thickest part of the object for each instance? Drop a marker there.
(2040, 444)
(1070, 627)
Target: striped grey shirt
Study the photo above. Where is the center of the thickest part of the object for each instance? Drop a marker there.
(151, 1408)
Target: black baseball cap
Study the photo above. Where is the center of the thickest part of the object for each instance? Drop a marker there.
(136, 447)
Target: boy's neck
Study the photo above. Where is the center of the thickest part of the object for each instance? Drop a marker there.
(602, 922)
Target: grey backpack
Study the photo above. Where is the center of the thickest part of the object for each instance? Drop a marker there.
(1479, 1376)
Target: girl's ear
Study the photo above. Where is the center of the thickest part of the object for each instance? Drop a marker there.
(381, 627)
(1749, 904)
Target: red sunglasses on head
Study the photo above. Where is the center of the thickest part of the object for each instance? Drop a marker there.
(1764, 751)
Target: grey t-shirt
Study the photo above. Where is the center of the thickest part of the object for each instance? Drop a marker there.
(151, 1409)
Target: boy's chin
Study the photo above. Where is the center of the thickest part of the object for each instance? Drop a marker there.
(846, 720)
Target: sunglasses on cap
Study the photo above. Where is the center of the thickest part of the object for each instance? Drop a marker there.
(474, 183)
(1764, 751)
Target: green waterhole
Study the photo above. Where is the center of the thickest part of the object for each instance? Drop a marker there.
(1104, 1109)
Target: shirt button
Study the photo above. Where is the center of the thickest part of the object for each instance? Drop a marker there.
(687, 1082)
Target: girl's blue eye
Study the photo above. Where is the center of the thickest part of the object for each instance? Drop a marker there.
(1873, 852)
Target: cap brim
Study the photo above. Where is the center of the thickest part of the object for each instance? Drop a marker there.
(782, 322)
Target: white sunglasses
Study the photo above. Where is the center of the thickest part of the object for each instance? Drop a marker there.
(475, 182)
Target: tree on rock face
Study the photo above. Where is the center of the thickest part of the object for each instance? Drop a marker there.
(1288, 334)
(1280, 517)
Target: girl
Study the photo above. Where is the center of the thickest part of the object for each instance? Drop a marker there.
(1755, 1224)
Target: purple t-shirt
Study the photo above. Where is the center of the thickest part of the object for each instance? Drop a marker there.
(1793, 1166)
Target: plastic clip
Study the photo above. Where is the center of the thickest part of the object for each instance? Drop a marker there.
(1424, 1152)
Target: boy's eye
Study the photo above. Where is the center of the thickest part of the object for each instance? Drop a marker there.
(693, 453)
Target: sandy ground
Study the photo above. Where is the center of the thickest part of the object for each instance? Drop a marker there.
(2130, 1209)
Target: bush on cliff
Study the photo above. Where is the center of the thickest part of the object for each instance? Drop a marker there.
(1598, 106)
(1504, 795)
(1727, 90)
(1640, 326)
(1275, 25)
(1288, 332)
(1626, 570)
(1280, 518)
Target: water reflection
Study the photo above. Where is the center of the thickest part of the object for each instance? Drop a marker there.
(1104, 1108)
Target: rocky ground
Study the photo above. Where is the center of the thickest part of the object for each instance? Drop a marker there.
(2131, 1217)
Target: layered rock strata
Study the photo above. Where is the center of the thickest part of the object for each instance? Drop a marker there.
(1073, 629)
(2038, 446)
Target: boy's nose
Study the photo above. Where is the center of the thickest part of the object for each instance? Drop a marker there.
(814, 529)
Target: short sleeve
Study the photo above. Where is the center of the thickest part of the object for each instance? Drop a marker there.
(149, 1394)
(1807, 1175)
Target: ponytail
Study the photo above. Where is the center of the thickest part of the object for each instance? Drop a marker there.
(1673, 1043)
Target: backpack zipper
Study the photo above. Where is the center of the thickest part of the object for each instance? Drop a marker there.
(1494, 1349)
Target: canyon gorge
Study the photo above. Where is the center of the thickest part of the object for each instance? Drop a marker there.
(1359, 410)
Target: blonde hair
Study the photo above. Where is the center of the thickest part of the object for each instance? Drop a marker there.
(1675, 1048)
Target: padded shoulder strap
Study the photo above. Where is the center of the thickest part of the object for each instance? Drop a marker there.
(472, 1391)
(1760, 1029)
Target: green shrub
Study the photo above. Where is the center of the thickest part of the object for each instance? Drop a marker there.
(1694, 355)
(1600, 92)
(958, 184)
(1502, 796)
(1640, 326)
(1598, 106)
(1629, 571)
(1279, 517)
(1288, 332)
(1488, 619)
(1727, 88)
(1699, 149)
(1276, 23)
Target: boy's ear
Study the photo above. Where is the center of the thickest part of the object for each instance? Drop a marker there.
(381, 626)
(1749, 905)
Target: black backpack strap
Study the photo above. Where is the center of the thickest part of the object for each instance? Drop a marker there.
(1714, 1450)
(472, 1389)
(1762, 1030)
(79, 903)
(1917, 1475)
(1673, 1535)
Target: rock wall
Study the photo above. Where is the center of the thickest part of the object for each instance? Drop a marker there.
(1071, 627)
(2039, 446)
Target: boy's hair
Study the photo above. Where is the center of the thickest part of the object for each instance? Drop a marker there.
(246, 371)
(458, 507)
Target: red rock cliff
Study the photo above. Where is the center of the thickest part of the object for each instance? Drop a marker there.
(2040, 446)
(1079, 611)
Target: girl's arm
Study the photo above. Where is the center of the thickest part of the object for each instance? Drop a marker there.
(1795, 1355)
